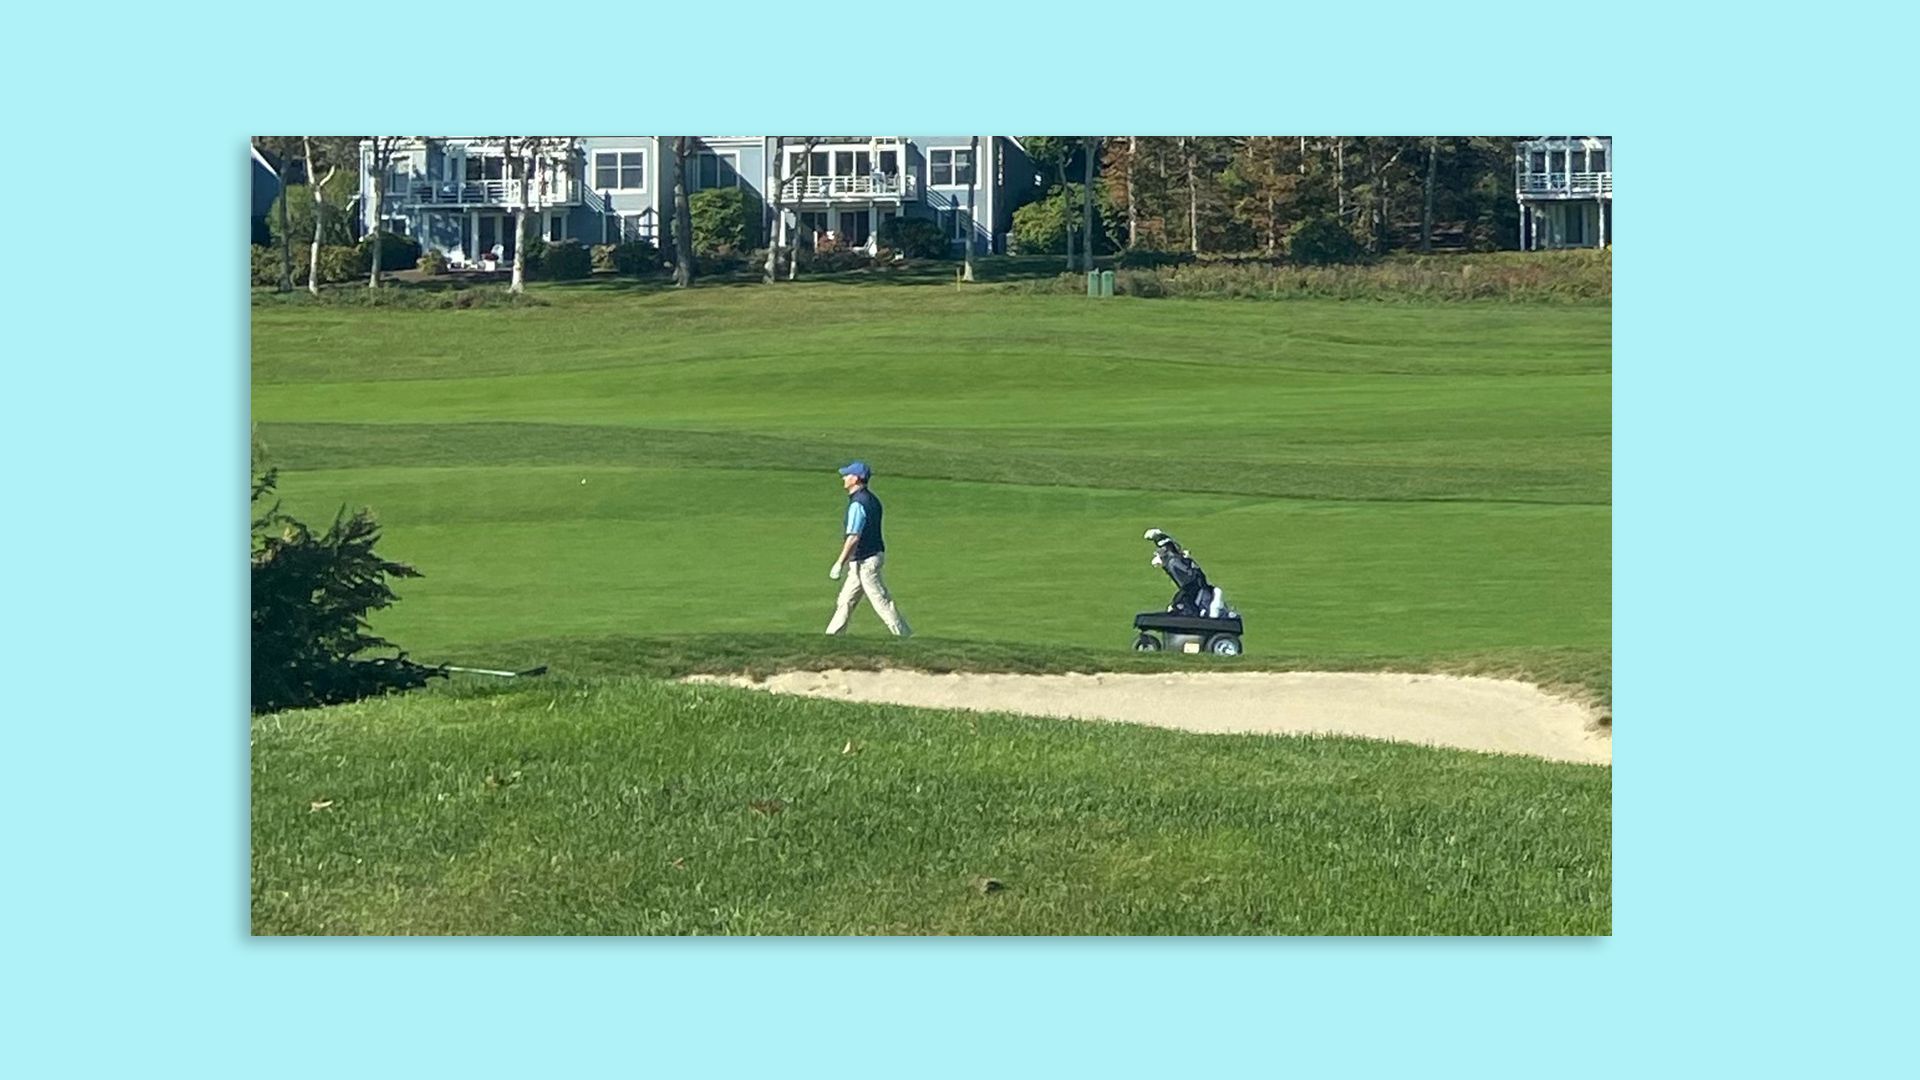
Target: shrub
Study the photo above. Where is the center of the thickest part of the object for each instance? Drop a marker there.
(534, 258)
(266, 266)
(1144, 259)
(338, 262)
(716, 263)
(396, 252)
(832, 259)
(568, 260)
(721, 222)
(636, 257)
(1320, 241)
(916, 238)
(311, 597)
(336, 220)
(1040, 227)
(432, 263)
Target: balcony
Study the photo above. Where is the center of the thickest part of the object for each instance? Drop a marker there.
(1561, 185)
(503, 194)
(878, 187)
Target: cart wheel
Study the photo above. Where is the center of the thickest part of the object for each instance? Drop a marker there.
(1224, 645)
(1146, 643)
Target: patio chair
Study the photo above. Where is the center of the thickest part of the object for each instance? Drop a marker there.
(457, 259)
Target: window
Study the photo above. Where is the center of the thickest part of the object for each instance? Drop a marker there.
(395, 225)
(890, 162)
(950, 167)
(622, 228)
(1538, 162)
(620, 170)
(556, 227)
(396, 178)
(708, 170)
(486, 168)
(1596, 161)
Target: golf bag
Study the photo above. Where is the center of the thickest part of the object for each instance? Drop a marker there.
(1193, 593)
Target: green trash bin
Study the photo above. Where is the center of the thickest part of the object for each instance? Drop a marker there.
(1106, 283)
(1093, 283)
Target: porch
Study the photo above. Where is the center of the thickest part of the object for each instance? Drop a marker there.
(1580, 185)
(460, 194)
(876, 186)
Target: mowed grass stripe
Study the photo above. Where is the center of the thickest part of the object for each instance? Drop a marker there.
(518, 552)
(1504, 472)
(587, 328)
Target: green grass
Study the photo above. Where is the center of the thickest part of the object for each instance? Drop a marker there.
(1377, 486)
(632, 806)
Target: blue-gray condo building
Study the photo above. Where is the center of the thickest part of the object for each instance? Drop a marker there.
(460, 192)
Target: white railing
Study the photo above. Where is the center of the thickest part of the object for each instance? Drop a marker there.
(1580, 183)
(484, 193)
(876, 186)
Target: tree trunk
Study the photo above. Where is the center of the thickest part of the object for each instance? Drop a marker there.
(1086, 200)
(1426, 212)
(1193, 196)
(682, 218)
(376, 181)
(519, 283)
(1340, 176)
(973, 173)
(1066, 213)
(1133, 216)
(316, 186)
(286, 234)
(779, 230)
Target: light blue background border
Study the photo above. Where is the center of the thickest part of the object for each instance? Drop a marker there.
(1760, 390)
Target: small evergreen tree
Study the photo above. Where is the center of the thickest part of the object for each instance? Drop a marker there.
(311, 597)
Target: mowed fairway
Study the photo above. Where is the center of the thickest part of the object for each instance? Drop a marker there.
(633, 483)
(1367, 479)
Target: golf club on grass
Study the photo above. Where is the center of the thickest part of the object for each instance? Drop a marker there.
(530, 672)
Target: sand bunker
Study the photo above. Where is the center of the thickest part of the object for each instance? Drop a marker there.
(1494, 715)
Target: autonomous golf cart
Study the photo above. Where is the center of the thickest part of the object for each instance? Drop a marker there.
(1199, 619)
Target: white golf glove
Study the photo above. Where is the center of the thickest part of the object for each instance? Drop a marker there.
(834, 573)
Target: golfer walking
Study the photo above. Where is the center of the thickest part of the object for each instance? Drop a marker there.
(862, 555)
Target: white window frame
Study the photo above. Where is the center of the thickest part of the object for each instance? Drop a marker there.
(387, 222)
(556, 222)
(620, 169)
(950, 152)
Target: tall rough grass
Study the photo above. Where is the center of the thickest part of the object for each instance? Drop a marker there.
(1512, 276)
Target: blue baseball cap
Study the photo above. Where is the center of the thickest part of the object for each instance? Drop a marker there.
(859, 469)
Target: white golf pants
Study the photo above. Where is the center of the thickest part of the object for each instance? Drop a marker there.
(863, 579)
